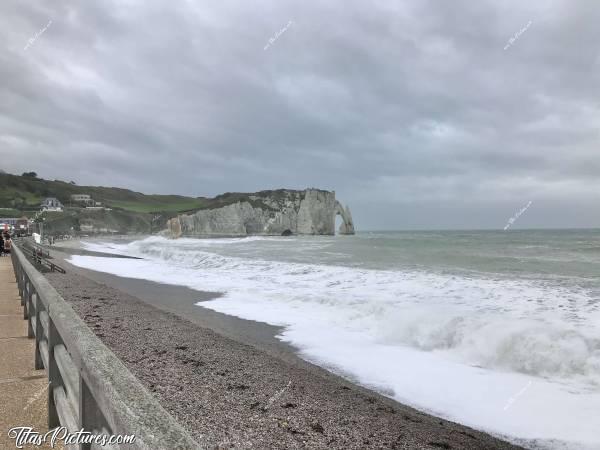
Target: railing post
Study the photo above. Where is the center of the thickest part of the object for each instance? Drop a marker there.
(90, 418)
(39, 363)
(24, 281)
(26, 288)
(16, 266)
(30, 308)
(20, 285)
(21, 281)
(53, 374)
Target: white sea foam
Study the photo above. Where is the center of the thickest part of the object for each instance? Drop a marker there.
(457, 346)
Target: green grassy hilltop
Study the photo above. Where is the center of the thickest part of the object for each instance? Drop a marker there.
(26, 193)
(127, 211)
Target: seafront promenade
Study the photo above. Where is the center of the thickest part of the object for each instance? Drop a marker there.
(23, 390)
(90, 391)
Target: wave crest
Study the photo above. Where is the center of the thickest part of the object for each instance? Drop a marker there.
(536, 347)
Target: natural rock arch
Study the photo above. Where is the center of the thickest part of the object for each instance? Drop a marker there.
(347, 226)
(174, 228)
(269, 213)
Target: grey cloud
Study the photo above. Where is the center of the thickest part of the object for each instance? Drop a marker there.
(406, 109)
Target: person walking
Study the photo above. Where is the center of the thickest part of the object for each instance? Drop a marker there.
(7, 244)
(1, 245)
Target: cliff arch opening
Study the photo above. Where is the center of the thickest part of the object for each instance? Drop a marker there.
(287, 232)
(347, 226)
(339, 222)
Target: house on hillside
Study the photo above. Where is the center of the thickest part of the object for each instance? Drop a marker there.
(51, 204)
(85, 200)
(82, 198)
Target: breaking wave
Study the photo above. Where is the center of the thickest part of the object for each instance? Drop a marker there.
(436, 341)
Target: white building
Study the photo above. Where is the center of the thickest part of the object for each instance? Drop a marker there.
(81, 198)
(51, 204)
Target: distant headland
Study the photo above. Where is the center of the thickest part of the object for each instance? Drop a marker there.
(67, 208)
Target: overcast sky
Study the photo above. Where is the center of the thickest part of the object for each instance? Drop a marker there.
(419, 114)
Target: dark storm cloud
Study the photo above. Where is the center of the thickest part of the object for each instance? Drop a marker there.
(412, 111)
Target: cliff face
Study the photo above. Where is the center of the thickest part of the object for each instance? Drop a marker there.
(282, 212)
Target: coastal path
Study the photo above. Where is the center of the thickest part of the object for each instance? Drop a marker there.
(23, 390)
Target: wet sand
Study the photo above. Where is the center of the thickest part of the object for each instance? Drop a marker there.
(181, 301)
(233, 385)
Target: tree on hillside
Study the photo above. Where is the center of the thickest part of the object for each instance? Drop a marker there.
(29, 174)
(18, 202)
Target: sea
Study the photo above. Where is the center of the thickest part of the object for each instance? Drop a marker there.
(497, 330)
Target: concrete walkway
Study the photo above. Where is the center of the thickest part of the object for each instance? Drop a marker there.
(23, 390)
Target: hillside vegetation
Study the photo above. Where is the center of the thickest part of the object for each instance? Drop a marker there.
(130, 211)
(25, 193)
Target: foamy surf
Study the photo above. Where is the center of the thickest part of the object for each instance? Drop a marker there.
(519, 358)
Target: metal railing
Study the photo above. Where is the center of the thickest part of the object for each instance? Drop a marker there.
(89, 387)
(41, 256)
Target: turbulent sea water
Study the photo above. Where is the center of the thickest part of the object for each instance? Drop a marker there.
(499, 330)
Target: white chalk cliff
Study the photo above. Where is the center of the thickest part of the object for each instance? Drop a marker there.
(281, 212)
